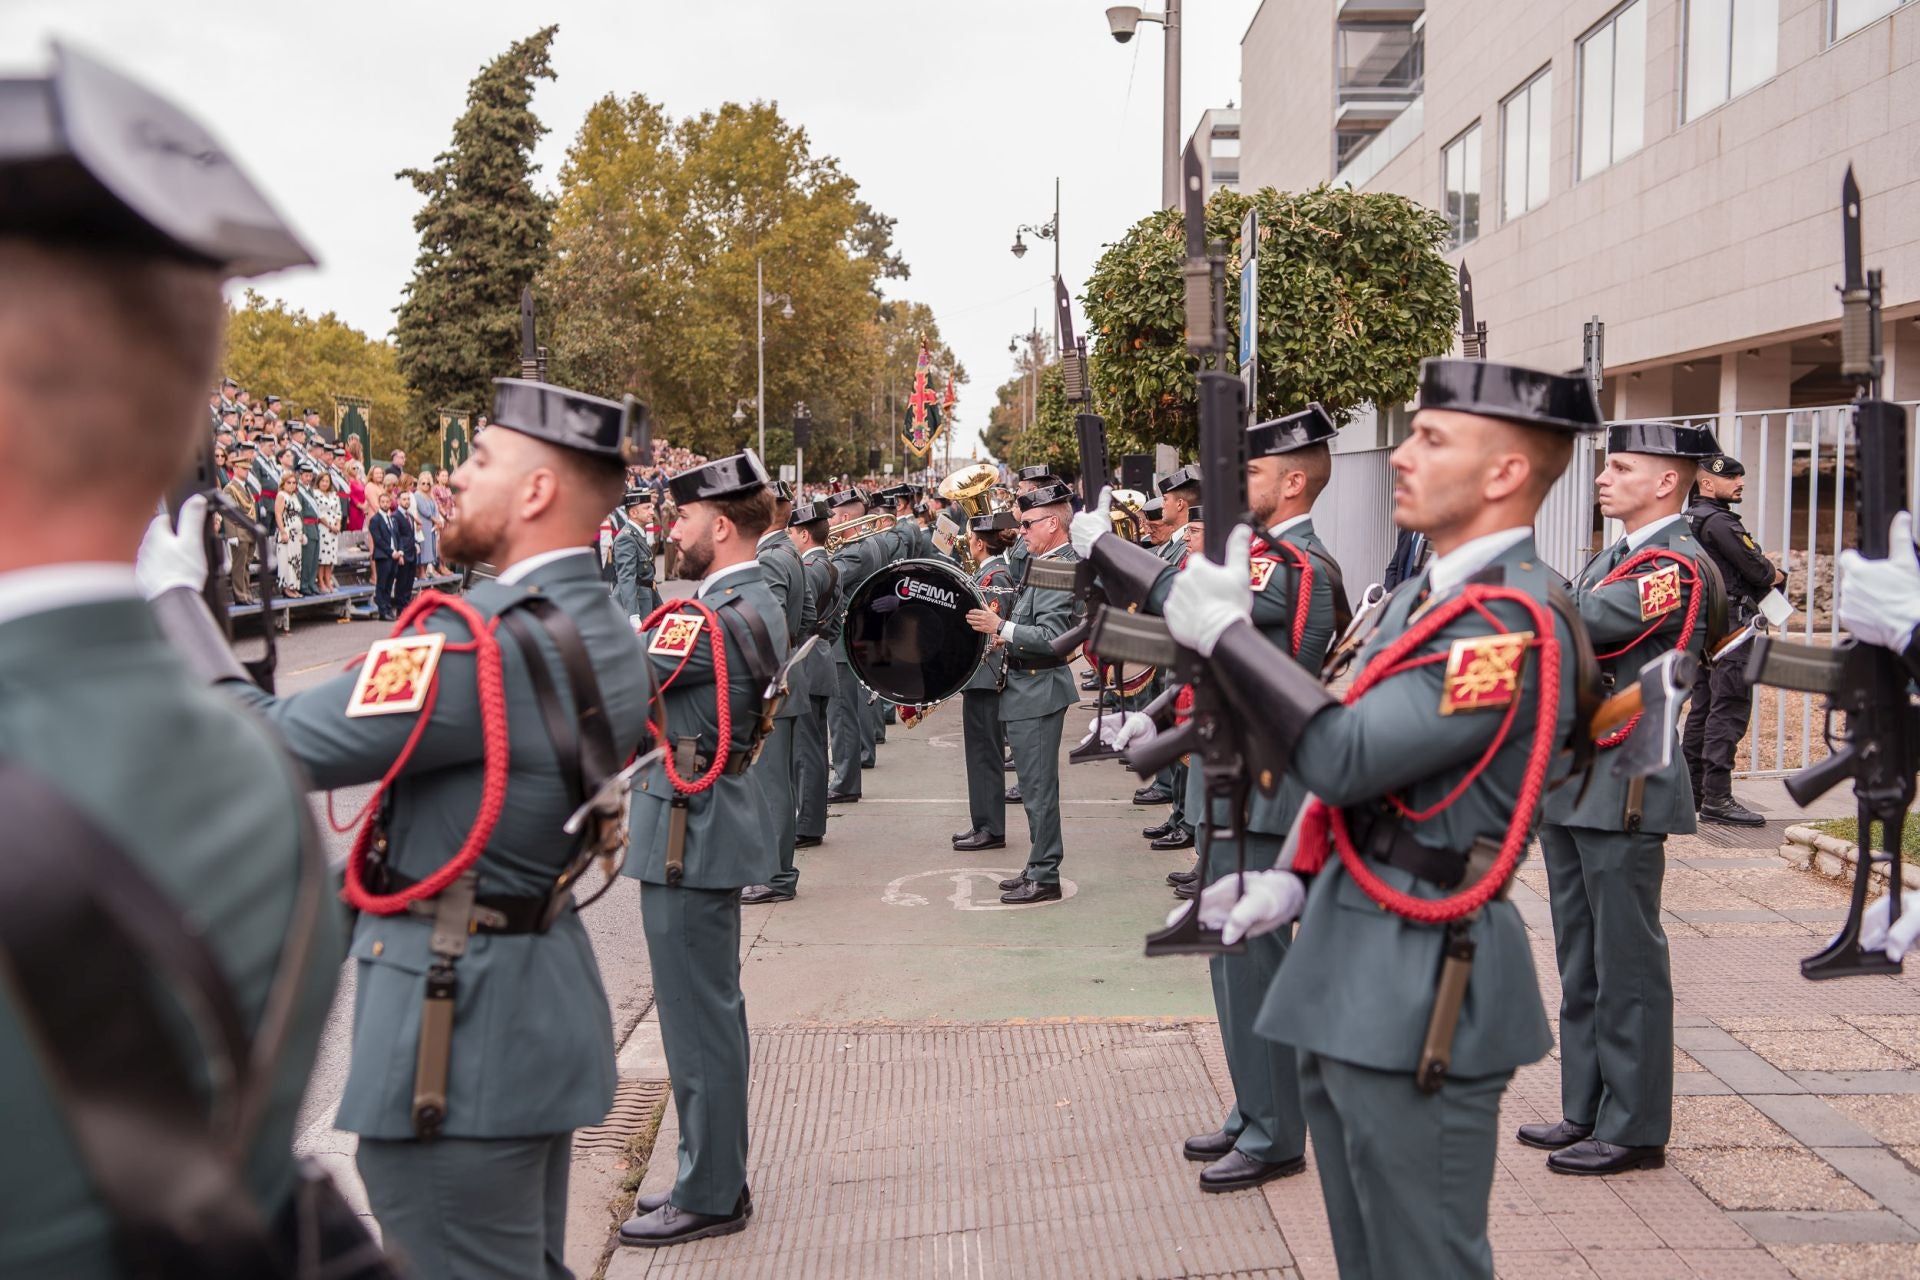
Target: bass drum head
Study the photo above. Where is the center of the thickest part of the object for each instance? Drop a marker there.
(907, 634)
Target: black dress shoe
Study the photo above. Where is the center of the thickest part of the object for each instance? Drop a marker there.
(968, 834)
(1183, 877)
(1158, 829)
(1013, 882)
(1031, 892)
(1013, 794)
(1236, 1171)
(672, 1225)
(1552, 1137)
(1592, 1157)
(1006, 764)
(1178, 838)
(843, 797)
(1188, 891)
(1208, 1147)
(808, 842)
(1152, 795)
(648, 1203)
(754, 894)
(1729, 812)
(980, 840)
(1090, 681)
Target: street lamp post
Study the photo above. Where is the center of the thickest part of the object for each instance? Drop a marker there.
(1122, 20)
(1046, 231)
(802, 437)
(761, 299)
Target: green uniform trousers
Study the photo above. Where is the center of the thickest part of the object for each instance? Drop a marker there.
(467, 1208)
(1180, 780)
(877, 712)
(1616, 983)
(1265, 1118)
(1406, 1175)
(986, 775)
(1036, 765)
(810, 766)
(850, 734)
(693, 944)
(775, 770)
(310, 562)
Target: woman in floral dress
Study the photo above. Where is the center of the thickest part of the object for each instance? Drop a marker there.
(330, 525)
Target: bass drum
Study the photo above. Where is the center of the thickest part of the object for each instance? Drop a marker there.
(907, 634)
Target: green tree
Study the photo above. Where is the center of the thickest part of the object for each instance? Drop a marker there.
(1050, 439)
(483, 236)
(307, 360)
(1354, 293)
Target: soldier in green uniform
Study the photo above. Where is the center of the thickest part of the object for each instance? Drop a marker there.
(633, 588)
(851, 736)
(786, 578)
(1606, 850)
(309, 529)
(808, 529)
(1427, 783)
(171, 862)
(1179, 494)
(1039, 689)
(482, 1037)
(698, 837)
(989, 537)
(1289, 464)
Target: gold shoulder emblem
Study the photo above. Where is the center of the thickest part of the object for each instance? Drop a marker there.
(1748, 539)
(675, 635)
(396, 676)
(1659, 592)
(1483, 672)
(1263, 573)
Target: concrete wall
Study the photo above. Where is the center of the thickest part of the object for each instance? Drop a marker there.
(1716, 233)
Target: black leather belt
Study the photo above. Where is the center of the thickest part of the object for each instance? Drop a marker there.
(1383, 838)
(1034, 664)
(507, 915)
(737, 761)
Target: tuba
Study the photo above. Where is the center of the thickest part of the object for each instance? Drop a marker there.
(976, 490)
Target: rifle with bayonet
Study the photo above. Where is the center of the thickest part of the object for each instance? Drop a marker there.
(1867, 686)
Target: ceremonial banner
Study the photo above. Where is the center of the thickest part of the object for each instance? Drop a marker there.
(919, 431)
(353, 418)
(454, 438)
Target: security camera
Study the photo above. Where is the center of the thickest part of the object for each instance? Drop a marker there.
(1122, 19)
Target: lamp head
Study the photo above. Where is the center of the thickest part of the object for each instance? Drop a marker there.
(1019, 246)
(1122, 20)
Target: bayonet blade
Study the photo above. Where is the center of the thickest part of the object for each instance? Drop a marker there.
(1193, 183)
(529, 348)
(1851, 261)
(1063, 310)
(1466, 306)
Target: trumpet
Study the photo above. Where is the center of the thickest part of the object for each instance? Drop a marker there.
(839, 535)
(1127, 514)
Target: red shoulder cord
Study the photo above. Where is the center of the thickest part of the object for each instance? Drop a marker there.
(718, 645)
(1648, 556)
(493, 790)
(1322, 821)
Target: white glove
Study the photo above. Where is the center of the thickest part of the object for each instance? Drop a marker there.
(634, 620)
(1085, 529)
(1207, 598)
(1136, 729)
(167, 559)
(1119, 728)
(1880, 599)
(1897, 941)
(1270, 900)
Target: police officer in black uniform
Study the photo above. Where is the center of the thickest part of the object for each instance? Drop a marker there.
(1722, 698)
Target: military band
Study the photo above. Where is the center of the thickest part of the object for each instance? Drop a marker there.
(990, 536)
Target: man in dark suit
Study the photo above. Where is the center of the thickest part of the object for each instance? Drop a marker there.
(406, 549)
(383, 534)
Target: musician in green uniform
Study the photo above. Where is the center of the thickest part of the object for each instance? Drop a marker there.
(1427, 783)
(698, 838)
(786, 578)
(989, 536)
(1039, 689)
(633, 589)
(1605, 850)
(808, 529)
(1179, 494)
(161, 855)
(1289, 464)
(850, 727)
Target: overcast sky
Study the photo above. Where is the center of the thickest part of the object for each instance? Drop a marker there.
(954, 118)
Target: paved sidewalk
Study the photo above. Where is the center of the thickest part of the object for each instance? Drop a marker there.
(963, 1145)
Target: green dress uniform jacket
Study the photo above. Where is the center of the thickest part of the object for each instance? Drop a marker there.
(532, 1037)
(726, 847)
(823, 590)
(633, 584)
(787, 580)
(991, 674)
(981, 732)
(817, 676)
(1039, 618)
(218, 821)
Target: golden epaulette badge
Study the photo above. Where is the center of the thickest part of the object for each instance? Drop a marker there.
(396, 676)
(675, 635)
(1263, 573)
(1659, 592)
(1483, 672)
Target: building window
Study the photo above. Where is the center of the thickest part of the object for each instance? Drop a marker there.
(1613, 88)
(1851, 15)
(1460, 167)
(1732, 45)
(1526, 153)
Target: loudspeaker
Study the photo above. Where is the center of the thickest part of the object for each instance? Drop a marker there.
(1136, 472)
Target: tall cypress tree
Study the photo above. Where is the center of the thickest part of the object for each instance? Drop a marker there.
(483, 237)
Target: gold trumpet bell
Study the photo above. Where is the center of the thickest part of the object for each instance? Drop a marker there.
(1127, 513)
